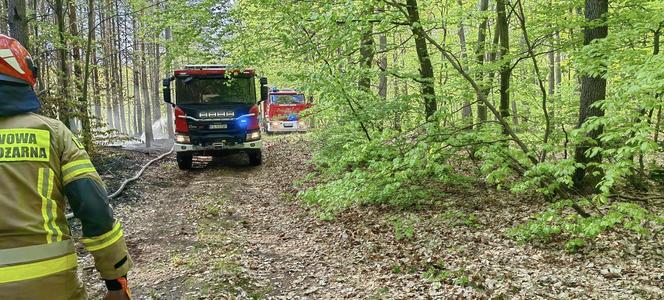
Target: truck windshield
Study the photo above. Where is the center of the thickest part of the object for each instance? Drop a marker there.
(287, 99)
(194, 90)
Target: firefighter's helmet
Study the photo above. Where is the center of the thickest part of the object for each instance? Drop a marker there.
(15, 62)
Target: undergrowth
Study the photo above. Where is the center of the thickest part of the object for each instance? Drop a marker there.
(560, 222)
(415, 168)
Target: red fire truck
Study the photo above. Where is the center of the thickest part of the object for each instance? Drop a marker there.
(282, 111)
(216, 112)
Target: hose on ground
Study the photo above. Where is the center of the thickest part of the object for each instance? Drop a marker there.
(135, 177)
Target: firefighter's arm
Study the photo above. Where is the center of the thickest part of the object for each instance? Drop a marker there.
(102, 234)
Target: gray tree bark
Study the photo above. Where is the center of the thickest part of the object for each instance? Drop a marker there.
(506, 68)
(483, 6)
(169, 109)
(18, 21)
(467, 110)
(593, 89)
(136, 61)
(149, 136)
(4, 16)
(63, 76)
(426, 68)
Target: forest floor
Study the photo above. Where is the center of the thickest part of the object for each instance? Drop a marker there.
(229, 231)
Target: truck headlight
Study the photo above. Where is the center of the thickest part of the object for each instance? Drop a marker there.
(182, 139)
(253, 136)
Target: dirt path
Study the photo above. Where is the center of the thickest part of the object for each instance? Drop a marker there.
(228, 231)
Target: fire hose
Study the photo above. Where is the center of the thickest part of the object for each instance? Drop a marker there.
(134, 178)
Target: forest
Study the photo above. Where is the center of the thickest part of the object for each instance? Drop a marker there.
(550, 110)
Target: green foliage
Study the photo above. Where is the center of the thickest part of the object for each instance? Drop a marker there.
(404, 228)
(439, 273)
(557, 222)
(385, 170)
(457, 218)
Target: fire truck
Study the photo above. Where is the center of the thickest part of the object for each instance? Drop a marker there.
(216, 112)
(282, 111)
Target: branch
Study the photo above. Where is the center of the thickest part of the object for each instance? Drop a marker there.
(482, 97)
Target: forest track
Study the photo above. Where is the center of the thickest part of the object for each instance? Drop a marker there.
(229, 231)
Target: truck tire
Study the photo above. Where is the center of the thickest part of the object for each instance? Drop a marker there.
(255, 157)
(185, 160)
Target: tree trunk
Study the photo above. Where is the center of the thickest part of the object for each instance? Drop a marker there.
(382, 64)
(552, 80)
(506, 68)
(426, 68)
(131, 126)
(18, 21)
(63, 75)
(593, 89)
(114, 65)
(118, 70)
(558, 70)
(81, 111)
(136, 59)
(95, 87)
(146, 99)
(85, 116)
(156, 88)
(479, 57)
(169, 108)
(107, 66)
(4, 17)
(467, 110)
(366, 56)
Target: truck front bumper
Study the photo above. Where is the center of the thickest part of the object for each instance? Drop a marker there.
(286, 126)
(218, 146)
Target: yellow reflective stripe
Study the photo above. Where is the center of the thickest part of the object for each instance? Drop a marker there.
(74, 164)
(78, 172)
(28, 254)
(107, 243)
(76, 168)
(49, 207)
(104, 240)
(54, 207)
(40, 184)
(102, 237)
(37, 269)
(78, 144)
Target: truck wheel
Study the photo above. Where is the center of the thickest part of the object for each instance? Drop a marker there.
(184, 161)
(255, 157)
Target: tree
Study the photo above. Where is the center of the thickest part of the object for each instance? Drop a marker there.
(63, 75)
(479, 57)
(426, 68)
(467, 111)
(136, 60)
(83, 104)
(593, 89)
(145, 93)
(506, 67)
(18, 22)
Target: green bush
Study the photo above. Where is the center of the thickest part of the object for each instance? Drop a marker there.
(558, 222)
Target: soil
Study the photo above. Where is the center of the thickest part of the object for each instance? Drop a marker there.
(225, 230)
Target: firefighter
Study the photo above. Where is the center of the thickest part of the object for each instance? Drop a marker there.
(42, 165)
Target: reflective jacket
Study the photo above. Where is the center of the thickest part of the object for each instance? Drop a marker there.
(42, 167)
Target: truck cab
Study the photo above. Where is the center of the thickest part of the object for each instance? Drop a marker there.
(282, 111)
(216, 112)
